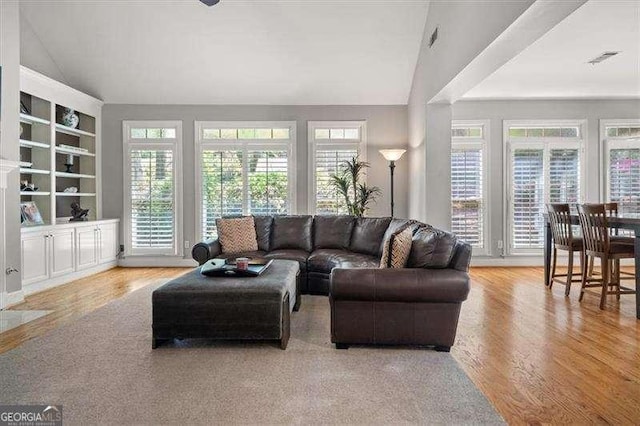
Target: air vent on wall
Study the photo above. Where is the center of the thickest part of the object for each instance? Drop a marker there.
(434, 37)
(604, 56)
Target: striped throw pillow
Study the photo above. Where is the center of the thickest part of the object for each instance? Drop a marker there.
(397, 248)
(237, 235)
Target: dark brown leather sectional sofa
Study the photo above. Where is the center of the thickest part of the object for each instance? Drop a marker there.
(340, 256)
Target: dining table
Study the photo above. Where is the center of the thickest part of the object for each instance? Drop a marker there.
(622, 220)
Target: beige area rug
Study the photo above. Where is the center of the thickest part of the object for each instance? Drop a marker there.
(102, 369)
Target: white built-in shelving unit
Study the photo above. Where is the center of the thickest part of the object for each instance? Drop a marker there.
(59, 250)
(48, 143)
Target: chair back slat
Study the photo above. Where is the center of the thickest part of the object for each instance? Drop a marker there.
(595, 229)
(560, 222)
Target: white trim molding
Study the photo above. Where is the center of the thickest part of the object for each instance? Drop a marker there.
(174, 144)
(359, 143)
(609, 142)
(156, 262)
(545, 143)
(244, 145)
(483, 143)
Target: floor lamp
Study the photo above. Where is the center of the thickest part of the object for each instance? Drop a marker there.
(392, 155)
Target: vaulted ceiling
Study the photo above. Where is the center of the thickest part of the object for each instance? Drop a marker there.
(556, 65)
(238, 52)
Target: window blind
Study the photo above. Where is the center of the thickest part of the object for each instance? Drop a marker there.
(467, 195)
(152, 199)
(624, 178)
(564, 176)
(328, 161)
(268, 182)
(527, 198)
(222, 187)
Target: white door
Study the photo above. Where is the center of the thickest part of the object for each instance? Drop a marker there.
(86, 245)
(35, 264)
(108, 243)
(62, 254)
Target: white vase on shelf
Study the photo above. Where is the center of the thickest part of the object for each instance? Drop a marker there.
(70, 118)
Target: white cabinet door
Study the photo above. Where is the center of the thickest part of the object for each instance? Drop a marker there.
(35, 262)
(108, 243)
(61, 244)
(86, 244)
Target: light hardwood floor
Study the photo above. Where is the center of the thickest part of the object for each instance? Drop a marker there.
(539, 357)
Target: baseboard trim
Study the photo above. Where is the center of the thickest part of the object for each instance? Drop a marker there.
(156, 262)
(13, 298)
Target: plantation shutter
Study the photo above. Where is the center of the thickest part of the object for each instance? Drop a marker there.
(152, 200)
(527, 197)
(268, 182)
(624, 178)
(564, 176)
(467, 195)
(328, 161)
(222, 187)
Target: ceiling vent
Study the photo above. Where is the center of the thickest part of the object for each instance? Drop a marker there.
(434, 37)
(604, 56)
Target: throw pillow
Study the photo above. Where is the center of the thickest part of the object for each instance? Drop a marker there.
(397, 248)
(237, 235)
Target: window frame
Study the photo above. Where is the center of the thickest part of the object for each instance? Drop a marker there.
(313, 143)
(175, 145)
(246, 145)
(559, 142)
(606, 143)
(483, 143)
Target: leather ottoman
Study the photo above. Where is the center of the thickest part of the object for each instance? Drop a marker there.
(252, 308)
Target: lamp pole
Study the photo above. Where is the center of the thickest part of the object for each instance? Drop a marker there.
(392, 155)
(392, 166)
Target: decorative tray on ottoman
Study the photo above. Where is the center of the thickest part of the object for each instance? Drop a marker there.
(227, 268)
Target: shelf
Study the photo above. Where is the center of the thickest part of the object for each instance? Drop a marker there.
(27, 171)
(71, 131)
(73, 152)
(74, 175)
(33, 144)
(30, 119)
(75, 194)
(29, 193)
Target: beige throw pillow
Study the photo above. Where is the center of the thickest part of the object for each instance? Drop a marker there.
(397, 248)
(237, 235)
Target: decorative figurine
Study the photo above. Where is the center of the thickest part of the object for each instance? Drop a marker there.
(78, 213)
(27, 187)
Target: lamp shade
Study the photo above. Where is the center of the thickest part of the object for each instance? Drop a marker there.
(392, 154)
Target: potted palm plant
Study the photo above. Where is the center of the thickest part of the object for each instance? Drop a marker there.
(357, 195)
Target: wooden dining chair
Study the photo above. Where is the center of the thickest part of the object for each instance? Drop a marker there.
(611, 209)
(598, 243)
(563, 239)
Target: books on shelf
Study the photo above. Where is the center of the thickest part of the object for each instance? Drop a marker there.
(73, 148)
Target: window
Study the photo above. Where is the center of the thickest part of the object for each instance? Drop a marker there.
(330, 145)
(545, 165)
(622, 163)
(152, 176)
(469, 215)
(243, 168)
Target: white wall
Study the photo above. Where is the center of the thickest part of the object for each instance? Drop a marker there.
(497, 111)
(10, 132)
(465, 29)
(386, 128)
